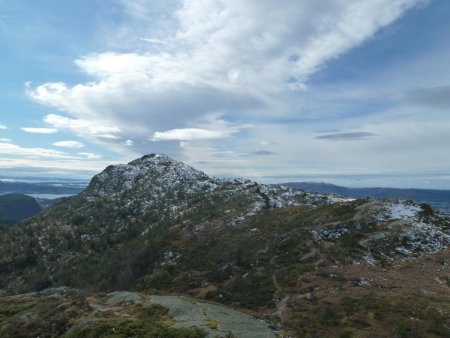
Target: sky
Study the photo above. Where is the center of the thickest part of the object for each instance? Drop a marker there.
(349, 92)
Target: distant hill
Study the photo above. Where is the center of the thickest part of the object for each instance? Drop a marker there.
(56, 188)
(16, 207)
(439, 199)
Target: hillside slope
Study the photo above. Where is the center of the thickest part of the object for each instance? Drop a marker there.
(16, 207)
(136, 202)
(313, 265)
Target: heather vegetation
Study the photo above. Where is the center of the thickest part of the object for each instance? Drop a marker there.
(68, 313)
(312, 265)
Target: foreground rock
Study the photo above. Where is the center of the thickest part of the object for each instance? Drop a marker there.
(214, 319)
(66, 312)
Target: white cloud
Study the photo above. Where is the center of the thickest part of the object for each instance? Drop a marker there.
(7, 140)
(40, 130)
(2, 126)
(358, 22)
(90, 156)
(65, 167)
(189, 134)
(128, 143)
(214, 127)
(82, 127)
(69, 144)
(13, 149)
(251, 61)
(233, 56)
(114, 64)
(153, 41)
(108, 136)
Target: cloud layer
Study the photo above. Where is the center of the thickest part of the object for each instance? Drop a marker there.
(39, 130)
(69, 144)
(228, 85)
(231, 57)
(360, 135)
(13, 149)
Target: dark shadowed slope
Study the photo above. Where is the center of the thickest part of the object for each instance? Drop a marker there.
(17, 207)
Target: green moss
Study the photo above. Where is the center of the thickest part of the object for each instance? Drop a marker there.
(213, 324)
(53, 316)
(346, 334)
(9, 307)
(130, 328)
(153, 312)
(403, 329)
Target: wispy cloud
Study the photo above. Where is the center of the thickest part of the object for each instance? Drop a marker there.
(54, 167)
(13, 149)
(2, 126)
(189, 134)
(69, 144)
(261, 153)
(90, 156)
(361, 135)
(252, 62)
(128, 143)
(82, 127)
(8, 140)
(436, 97)
(39, 130)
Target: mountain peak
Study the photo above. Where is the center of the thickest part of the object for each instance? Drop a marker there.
(158, 182)
(152, 158)
(147, 172)
(152, 164)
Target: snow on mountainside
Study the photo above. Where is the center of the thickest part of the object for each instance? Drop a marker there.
(157, 182)
(156, 187)
(155, 190)
(392, 228)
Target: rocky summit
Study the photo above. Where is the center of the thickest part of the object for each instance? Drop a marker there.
(156, 184)
(309, 265)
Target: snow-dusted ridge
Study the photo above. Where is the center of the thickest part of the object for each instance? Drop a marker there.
(159, 187)
(156, 213)
(155, 173)
(397, 227)
(159, 182)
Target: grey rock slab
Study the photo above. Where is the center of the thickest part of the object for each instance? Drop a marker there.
(189, 313)
(308, 256)
(58, 291)
(124, 298)
(375, 237)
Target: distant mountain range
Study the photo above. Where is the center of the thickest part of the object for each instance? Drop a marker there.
(56, 188)
(45, 189)
(438, 199)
